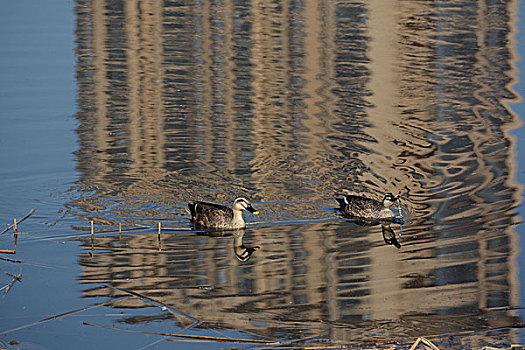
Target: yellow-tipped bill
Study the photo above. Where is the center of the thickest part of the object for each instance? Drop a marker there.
(253, 211)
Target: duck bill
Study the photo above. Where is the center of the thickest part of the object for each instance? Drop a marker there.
(253, 211)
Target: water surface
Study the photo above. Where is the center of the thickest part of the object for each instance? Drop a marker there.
(286, 104)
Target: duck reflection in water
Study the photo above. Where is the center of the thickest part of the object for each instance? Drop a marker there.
(371, 212)
(242, 252)
(389, 236)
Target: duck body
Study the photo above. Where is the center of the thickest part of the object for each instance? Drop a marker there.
(367, 208)
(220, 217)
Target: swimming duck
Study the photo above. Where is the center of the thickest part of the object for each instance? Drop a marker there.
(366, 208)
(218, 216)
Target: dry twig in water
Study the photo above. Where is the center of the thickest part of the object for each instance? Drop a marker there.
(426, 342)
(154, 302)
(8, 286)
(62, 315)
(17, 222)
(187, 336)
(11, 260)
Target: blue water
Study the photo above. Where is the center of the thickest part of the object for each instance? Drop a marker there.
(42, 168)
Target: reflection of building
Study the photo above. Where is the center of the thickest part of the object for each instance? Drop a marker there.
(270, 95)
(472, 167)
(121, 111)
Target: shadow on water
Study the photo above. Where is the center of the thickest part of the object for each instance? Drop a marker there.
(287, 104)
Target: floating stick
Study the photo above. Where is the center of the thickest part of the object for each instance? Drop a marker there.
(120, 230)
(426, 342)
(158, 238)
(11, 260)
(188, 336)
(109, 303)
(7, 251)
(92, 240)
(151, 301)
(19, 221)
(8, 286)
(16, 228)
(17, 277)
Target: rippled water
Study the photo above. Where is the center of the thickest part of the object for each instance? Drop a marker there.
(288, 104)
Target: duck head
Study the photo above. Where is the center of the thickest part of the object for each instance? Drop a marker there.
(241, 204)
(389, 200)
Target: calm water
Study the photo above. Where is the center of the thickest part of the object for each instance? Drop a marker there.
(121, 112)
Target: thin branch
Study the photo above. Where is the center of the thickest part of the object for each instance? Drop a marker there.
(158, 303)
(187, 336)
(17, 222)
(152, 344)
(62, 315)
(17, 277)
(8, 286)
(424, 341)
(11, 260)
(429, 343)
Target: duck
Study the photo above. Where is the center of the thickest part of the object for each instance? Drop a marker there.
(367, 208)
(220, 217)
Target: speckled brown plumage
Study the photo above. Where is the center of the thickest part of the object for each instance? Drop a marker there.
(216, 216)
(366, 208)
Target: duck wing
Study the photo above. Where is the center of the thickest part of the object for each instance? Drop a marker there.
(210, 214)
(362, 202)
(357, 206)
